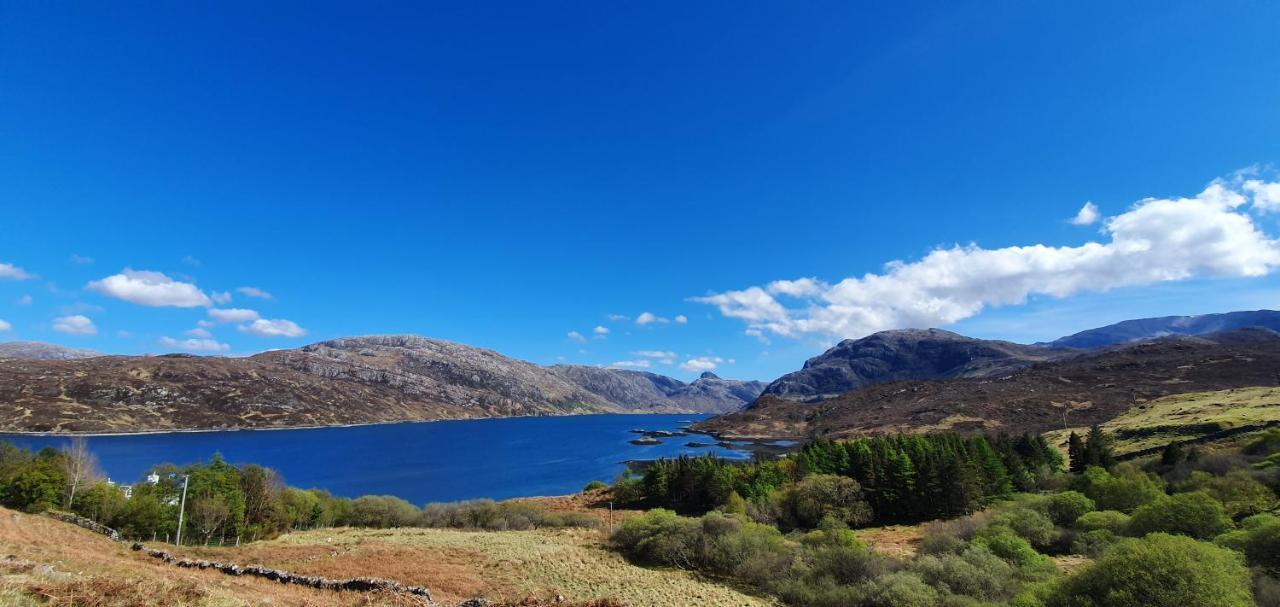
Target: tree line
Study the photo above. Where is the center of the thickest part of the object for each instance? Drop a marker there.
(883, 479)
(228, 503)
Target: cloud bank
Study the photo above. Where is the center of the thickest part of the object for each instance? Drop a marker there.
(1210, 235)
(76, 324)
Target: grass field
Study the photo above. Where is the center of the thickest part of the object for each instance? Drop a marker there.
(54, 563)
(1185, 416)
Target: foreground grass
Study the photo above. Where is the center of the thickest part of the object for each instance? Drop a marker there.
(507, 565)
(1181, 417)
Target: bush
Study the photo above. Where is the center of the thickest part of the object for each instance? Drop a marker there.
(382, 511)
(595, 485)
(976, 573)
(660, 537)
(1110, 520)
(1159, 571)
(489, 515)
(1064, 508)
(945, 537)
(1262, 546)
(1193, 514)
(1093, 543)
(1031, 525)
(805, 504)
(901, 589)
(1006, 544)
(1239, 493)
(1124, 490)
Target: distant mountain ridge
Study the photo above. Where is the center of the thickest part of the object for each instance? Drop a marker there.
(1151, 328)
(342, 381)
(919, 354)
(34, 350)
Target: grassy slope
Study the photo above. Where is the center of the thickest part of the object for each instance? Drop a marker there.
(500, 565)
(67, 565)
(1185, 416)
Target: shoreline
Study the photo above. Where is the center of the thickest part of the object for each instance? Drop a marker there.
(91, 434)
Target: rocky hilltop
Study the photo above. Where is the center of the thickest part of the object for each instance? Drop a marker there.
(343, 381)
(900, 355)
(642, 390)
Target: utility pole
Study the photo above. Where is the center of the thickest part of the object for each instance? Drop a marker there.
(610, 518)
(182, 507)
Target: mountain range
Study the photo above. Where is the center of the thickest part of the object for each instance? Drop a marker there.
(916, 377)
(343, 381)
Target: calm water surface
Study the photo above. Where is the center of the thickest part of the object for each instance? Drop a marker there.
(420, 462)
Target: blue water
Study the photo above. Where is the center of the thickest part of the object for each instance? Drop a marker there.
(420, 462)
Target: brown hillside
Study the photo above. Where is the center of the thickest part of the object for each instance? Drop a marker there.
(1094, 388)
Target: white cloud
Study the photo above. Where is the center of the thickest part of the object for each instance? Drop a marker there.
(1209, 235)
(701, 363)
(254, 292)
(81, 259)
(221, 298)
(198, 332)
(278, 327)
(631, 364)
(75, 324)
(681, 319)
(150, 289)
(123, 333)
(654, 354)
(194, 345)
(618, 317)
(1266, 196)
(191, 261)
(600, 331)
(1087, 215)
(576, 336)
(12, 272)
(648, 317)
(5, 326)
(233, 314)
(25, 300)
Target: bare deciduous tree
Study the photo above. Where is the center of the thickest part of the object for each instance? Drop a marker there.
(80, 467)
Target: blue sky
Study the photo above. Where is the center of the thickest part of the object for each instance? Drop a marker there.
(505, 174)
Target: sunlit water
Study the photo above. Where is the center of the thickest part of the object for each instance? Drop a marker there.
(421, 462)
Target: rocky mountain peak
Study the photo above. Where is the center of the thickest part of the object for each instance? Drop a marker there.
(708, 375)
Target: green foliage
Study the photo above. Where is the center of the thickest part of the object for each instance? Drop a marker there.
(903, 478)
(1195, 514)
(594, 485)
(1008, 545)
(1094, 542)
(1123, 489)
(1065, 507)
(1239, 493)
(806, 503)
(1159, 571)
(1109, 520)
(976, 573)
(1261, 545)
(498, 516)
(1029, 524)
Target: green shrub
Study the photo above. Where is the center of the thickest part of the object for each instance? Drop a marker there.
(1031, 525)
(594, 485)
(1004, 543)
(1239, 493)
(1159, 571)
(1093, 543)
(660, 537)
(806, 503)
(976, 573)
(1123, 489)
(1193, 514)
(1262, 546)
(1065, 507)
(901, 589)
(1110, 520)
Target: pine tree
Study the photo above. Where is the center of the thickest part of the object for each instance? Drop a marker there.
(1076, 453)
(1097, 449)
